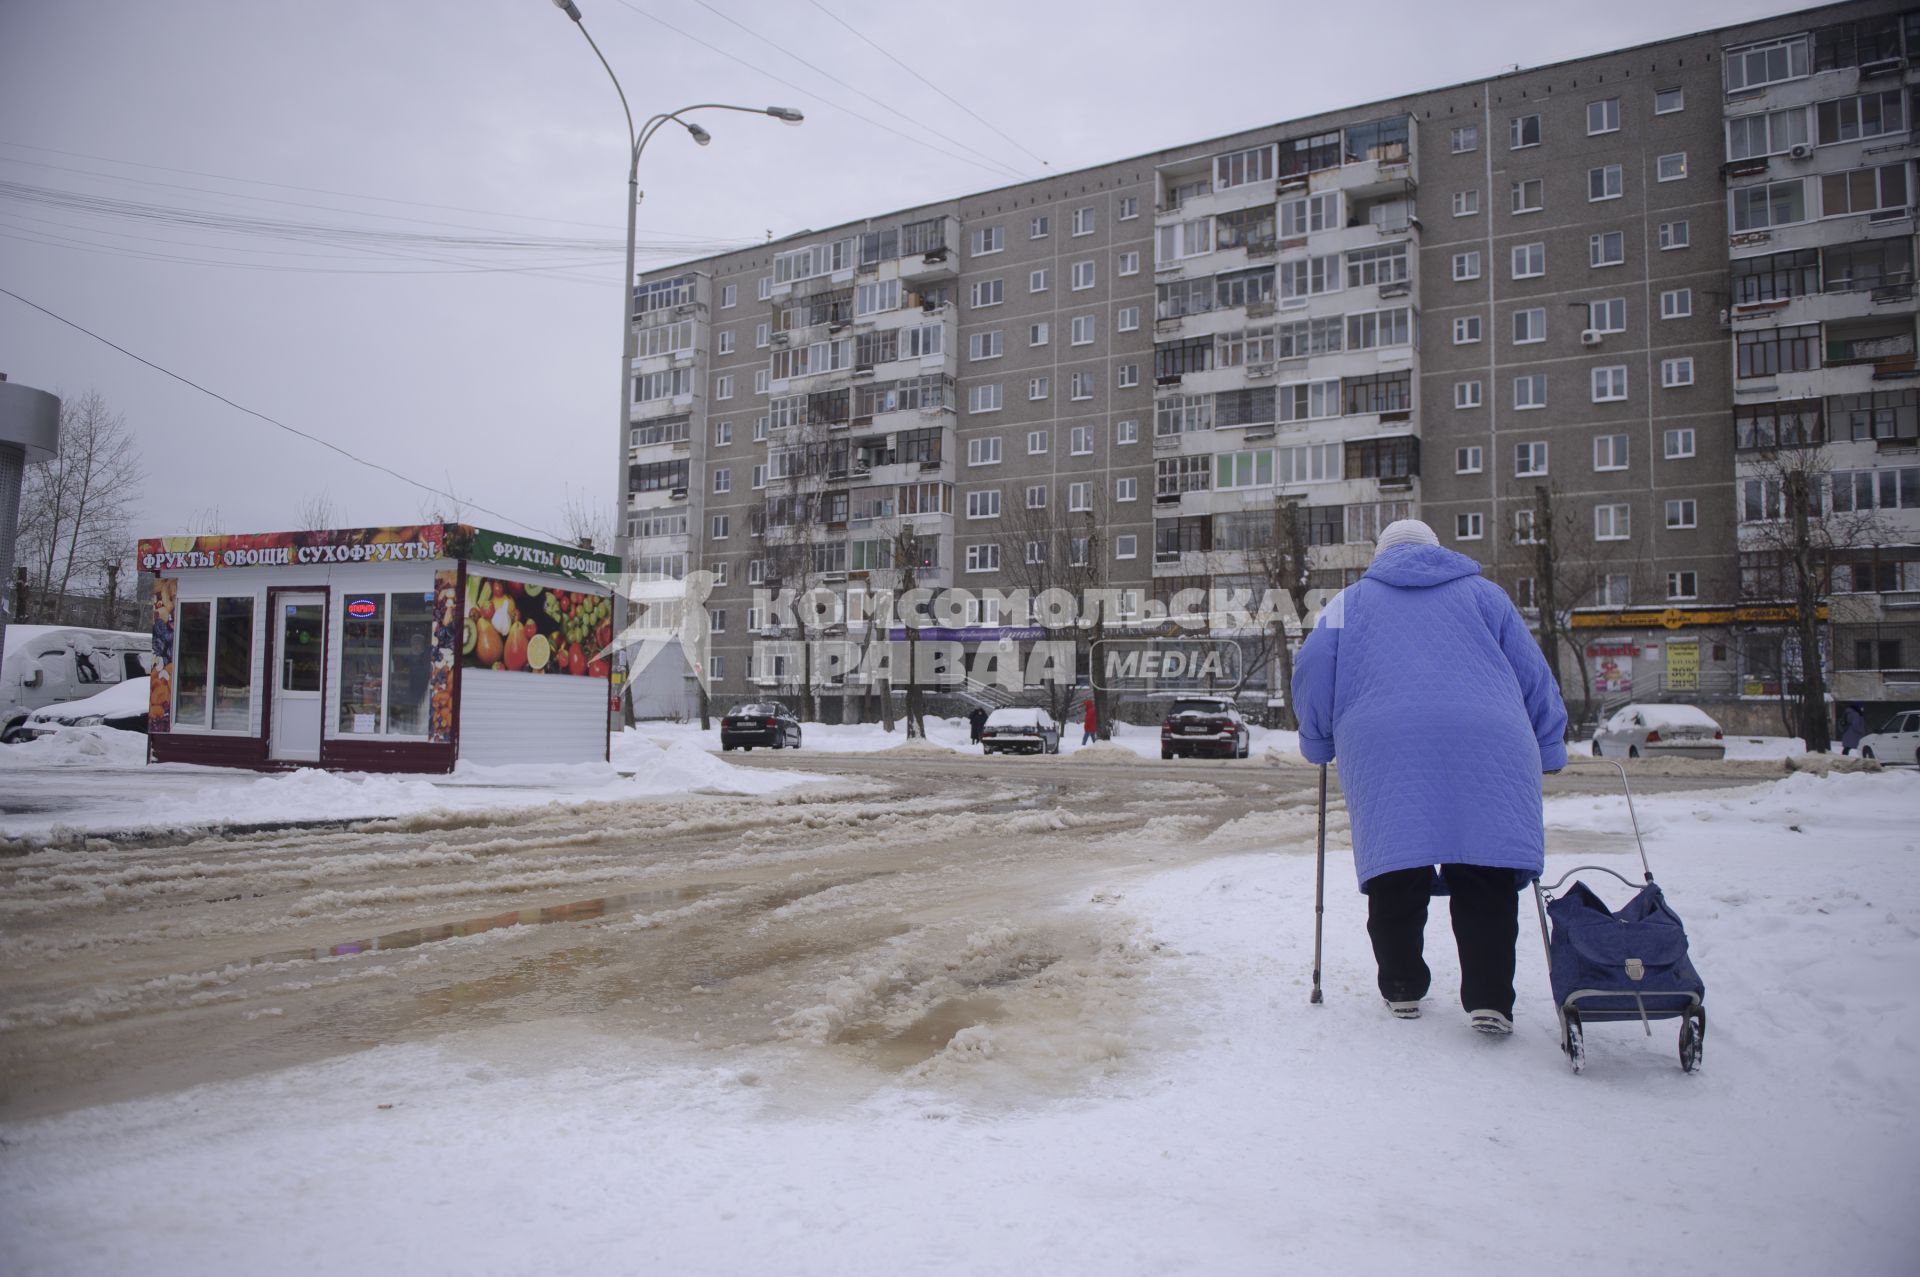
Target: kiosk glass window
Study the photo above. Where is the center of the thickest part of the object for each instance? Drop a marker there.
(386, 663)
(214, 636)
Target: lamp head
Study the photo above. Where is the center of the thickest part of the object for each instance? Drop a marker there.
(569, 8)
(700, 135)
(784, 113)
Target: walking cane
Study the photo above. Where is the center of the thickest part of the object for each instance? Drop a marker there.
(1319, 885)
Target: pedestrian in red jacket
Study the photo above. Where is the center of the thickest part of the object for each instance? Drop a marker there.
(1092, 722)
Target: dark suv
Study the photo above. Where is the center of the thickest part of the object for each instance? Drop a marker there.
(1203, 726)
(760, 723)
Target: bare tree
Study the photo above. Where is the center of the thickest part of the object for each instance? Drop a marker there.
(587, 522)
(316, 512)
(1280, 558)
(76, 509)
(445, 506)
(1043, 549)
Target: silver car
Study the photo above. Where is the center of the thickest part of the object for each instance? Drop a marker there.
(1897, 741)
(1020, 730)
(1659, 731)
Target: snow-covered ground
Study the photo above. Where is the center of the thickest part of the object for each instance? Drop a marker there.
(1225, 1127)
(96, 779)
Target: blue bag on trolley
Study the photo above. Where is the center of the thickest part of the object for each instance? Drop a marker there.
(1621, 963)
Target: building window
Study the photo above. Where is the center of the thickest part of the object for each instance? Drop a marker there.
(1523, 131)
(1125, 432)
(760, 376)
(1607, 316)
(1037, 440)
(1080, 385)
(1673, 235)
(1079, 498)
(1671, 168)
(988, 292)
(1127, 489)
(984, 346)
(1082, 276)
(1039, 226)
(1466, 203)
(1129, 376)
(1464, 139)
(1529, 326)
(1523, 530)
(765, 287)
(983, 504)
(1039, 388)
(1683, 585)
(1466, 330)
(1755, 66)
(725, 342)
(1466, 266)
(722, 433)
(1667, 101)
(1469, 527)
(1529, 459)
(1037, 334)
(729, 296)
(1126, 547)
(983, 558)
(1683, 513)
(1529, 195)
(1607, 249)
(1603, 116)
(1128, 319)
(1676, 303)
(1466, 394)
(1605, 183)
(1678, 443)
(1614, 590)
(1766, 133)
(1037, 280)
(1611, 522)
(723, 386)
(1130, 263)
(1857, 118)
(1467, 460)
(1757, 208)
(1128, 208)
(1080, 441)
(1610, 384)
(1676, 372)
(216, 636)
(1529, 260)
(1767, 352)
(1867, 190)
(1081, 330)
(1610, 452)
(988, 239)
(722, 479)
(984, 398)
(760, 475)
(721, 526)
(1083, 220)
(984, 451)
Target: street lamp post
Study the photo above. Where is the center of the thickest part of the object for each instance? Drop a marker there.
(637, 140)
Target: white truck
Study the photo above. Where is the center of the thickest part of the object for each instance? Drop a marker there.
(48, 664)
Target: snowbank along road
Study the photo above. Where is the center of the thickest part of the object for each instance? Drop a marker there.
(872, 917)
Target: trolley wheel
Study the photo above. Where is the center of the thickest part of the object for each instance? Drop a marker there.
(1574, 1042)
(1693, 1038)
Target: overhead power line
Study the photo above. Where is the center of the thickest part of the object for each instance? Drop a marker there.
(292, 430)
(822, 71)
(924, 80)
(994, 167)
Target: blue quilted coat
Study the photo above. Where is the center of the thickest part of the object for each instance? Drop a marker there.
(1422, 677)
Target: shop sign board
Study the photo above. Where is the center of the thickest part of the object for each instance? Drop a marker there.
(409, 544)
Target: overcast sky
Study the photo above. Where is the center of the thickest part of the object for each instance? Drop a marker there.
(492, 118)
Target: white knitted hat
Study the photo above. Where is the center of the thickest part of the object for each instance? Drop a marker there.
(1404, 532)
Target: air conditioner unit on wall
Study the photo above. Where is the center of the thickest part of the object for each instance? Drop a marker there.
(1800, 150)
(1590, 337)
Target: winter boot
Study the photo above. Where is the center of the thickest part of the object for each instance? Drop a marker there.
(1409, 1010)
(1491, 1023)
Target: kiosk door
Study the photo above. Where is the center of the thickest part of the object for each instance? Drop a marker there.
(298, 644)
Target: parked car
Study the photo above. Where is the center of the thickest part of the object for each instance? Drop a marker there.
(1198, 726)
(122, 706)
(766, 723)
(51, 664)
(1897, 741)
(1663, 731)
(1020, 730)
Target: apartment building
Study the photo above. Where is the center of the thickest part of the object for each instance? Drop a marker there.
(1551, 312)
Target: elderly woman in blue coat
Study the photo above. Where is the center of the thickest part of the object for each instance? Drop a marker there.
(1422, 679)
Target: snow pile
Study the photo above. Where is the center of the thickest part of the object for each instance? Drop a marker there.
(1109, 751)
(76, 747)
(1822, 764)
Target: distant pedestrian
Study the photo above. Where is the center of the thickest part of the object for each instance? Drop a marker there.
(1424, 679)
(1092, 722)
(976, 721)
(1853, 725)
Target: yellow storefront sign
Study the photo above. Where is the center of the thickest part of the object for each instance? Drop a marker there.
(1683, 667)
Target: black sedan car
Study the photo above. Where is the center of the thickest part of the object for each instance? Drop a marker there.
(759, 723)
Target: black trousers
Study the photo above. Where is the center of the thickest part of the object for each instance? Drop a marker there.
(1485, 904)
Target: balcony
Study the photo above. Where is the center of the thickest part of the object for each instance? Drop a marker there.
(930, 250)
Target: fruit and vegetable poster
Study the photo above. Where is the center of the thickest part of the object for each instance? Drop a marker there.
(447, 629)
(535, 629)
(160, 688)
